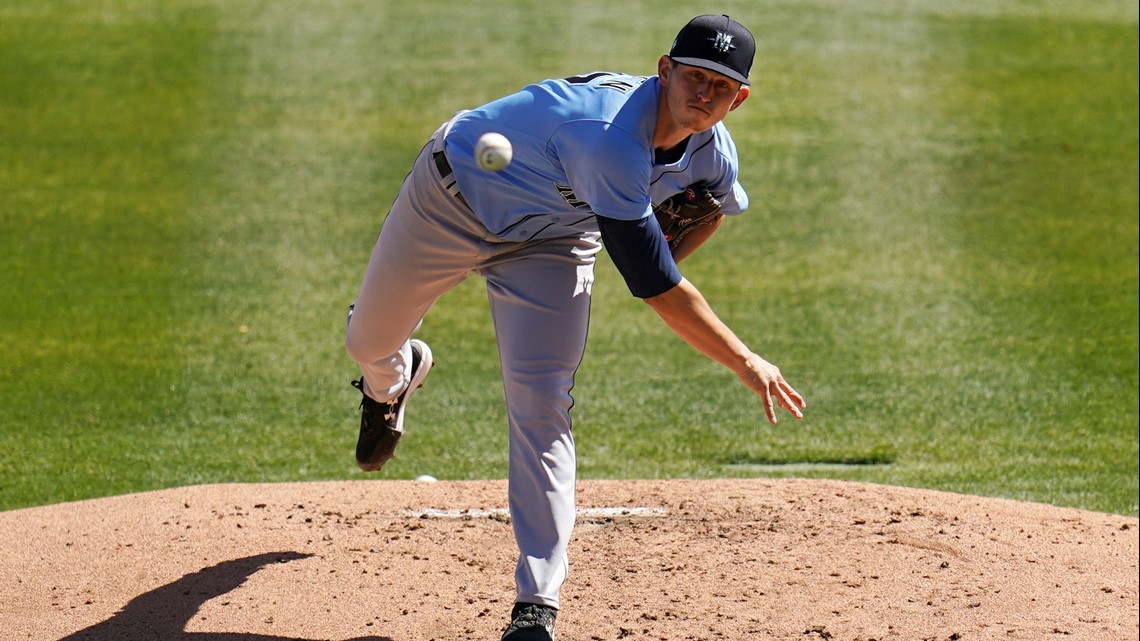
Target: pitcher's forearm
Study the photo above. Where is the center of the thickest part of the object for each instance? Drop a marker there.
(686, 312)
(689, 315)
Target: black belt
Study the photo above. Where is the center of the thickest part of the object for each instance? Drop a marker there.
(445, 176)
(442, 165)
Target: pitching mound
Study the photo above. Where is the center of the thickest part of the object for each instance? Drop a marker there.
(671, 561)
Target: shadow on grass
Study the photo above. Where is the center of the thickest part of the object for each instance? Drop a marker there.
(162, 614)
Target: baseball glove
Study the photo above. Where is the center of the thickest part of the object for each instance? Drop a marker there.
(681, 213)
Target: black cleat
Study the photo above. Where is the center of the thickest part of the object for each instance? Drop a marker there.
(531, 622)
(382, 424)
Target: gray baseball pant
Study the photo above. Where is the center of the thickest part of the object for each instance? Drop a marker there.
(539, 294)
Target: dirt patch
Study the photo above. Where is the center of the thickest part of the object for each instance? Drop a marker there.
(677, 560)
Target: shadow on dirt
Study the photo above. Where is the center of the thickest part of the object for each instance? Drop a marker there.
(163, 613)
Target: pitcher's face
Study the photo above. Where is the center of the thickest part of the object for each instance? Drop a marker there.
(698, 98)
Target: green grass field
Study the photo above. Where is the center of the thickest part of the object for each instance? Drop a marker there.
(942, 252)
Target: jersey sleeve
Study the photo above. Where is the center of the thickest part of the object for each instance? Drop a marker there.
(734, 200)
(641, 255)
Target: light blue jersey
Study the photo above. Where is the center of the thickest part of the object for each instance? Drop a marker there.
(582, 146)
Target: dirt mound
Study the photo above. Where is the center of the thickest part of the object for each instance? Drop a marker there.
(663, 560)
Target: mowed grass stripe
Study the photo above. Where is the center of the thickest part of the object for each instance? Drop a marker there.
(1052, 261)
(294, 192)
(97, 174)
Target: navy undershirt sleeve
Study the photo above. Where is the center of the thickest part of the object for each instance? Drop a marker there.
(641, 255)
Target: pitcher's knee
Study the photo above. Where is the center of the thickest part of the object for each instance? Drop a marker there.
(363, 351)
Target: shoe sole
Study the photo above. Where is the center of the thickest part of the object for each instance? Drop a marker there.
(417, 380)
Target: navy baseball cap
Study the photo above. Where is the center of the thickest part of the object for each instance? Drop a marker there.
(716, 43)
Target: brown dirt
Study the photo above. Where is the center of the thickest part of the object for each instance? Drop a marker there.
(676, 560)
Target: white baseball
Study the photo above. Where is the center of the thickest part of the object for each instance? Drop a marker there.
(425, 478)
(493, 151)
